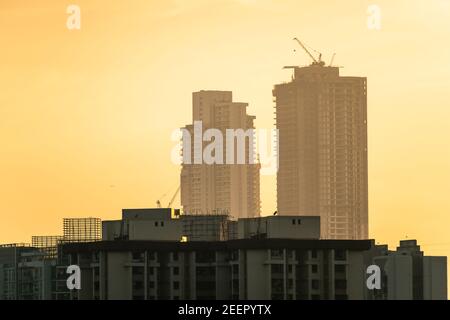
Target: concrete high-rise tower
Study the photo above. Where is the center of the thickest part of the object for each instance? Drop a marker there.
(322, 122)
(221, 188)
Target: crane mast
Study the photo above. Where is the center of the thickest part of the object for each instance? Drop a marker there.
(158, 202)
(173, 198)
(332, 59)
(316, 62)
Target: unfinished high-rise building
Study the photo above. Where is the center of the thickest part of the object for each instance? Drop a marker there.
(322, 122)
(226, 185)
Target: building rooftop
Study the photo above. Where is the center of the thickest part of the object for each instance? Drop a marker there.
(123, 245)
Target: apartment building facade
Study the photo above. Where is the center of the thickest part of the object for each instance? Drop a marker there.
(161, 254)
(322, 122)
(226, 186)
(407, 274)
(234, 269)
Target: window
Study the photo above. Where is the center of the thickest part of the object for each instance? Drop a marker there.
(299, 221)
(162, 223)
(340, 284)
(206, 286)
(293, 221)
(175, 256)
(314, 268)
(290, 254)
(235, 284)
(235, 255)
(156, 223)
(205, 257)
(315, 284)
(277, 285)
(205, 272)
(138, 255)
(176, 271)
(277, 268)
(339, 255)
(276, 254)
(176, 285)
(137, 285)
(235, 269)
(137, 271)
(339, 268)
(314, 254)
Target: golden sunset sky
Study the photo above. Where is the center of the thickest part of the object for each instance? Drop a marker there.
(86, 115)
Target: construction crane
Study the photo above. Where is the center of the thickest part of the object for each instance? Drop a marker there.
(158, 202)
(332, 59)
(316, 62)
(173, 198)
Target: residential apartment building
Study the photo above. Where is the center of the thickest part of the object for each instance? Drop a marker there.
(37, 271)
(160, 254)
(275, 257)
(25, 274)
(407, 274)
(234, 269)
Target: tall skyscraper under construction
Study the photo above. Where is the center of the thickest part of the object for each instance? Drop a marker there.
(220, 188)
(322, 122)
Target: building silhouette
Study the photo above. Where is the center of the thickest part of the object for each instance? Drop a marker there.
(220, 188)
(161, 254)
(37, 271)
(322, 122)
(265, 258)
(407, 274)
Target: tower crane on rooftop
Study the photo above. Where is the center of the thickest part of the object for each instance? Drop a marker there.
(158, 202)
(174, 196)
(332, 59)
(316, 62)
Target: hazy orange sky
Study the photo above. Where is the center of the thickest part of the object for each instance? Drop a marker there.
(86, 115)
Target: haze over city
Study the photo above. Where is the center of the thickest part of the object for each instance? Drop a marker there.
(86, 116)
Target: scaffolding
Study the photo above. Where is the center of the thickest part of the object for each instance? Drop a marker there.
(47, 244)
(208, 227)
(82, 229)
